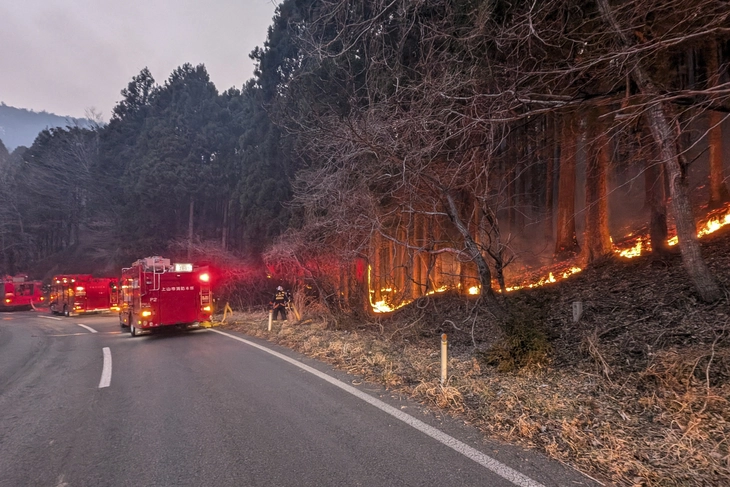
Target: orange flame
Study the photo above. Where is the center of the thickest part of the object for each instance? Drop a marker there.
(635, 250)
(631, 247)
(549, 279)
(714, 223)
(635, 247)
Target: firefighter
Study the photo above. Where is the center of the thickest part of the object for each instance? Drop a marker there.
(278, 304)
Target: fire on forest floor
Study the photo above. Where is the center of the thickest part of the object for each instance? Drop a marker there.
(635, 393)
(633, 245)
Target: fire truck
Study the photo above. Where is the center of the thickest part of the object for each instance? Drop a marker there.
(73, 294)
(157, 294)
(20, 293)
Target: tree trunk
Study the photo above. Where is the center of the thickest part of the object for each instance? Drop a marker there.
(597, 242)
(191, 212)
(551, 155)
(657, 203)
(400, 268)
(485, 275)
(224, 231)
(375, 278)
(566, 244)
(666, 139)
(427, 258)
(417, 286)
(681, 206)
(719, 194)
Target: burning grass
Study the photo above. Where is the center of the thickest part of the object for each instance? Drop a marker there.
(636, 393)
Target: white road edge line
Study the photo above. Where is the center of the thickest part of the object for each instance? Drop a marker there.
(106, 370)
(484, 460)
(87, 327)
(49, 317)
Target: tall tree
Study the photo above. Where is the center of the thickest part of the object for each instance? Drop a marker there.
(4, 154)
(719, 194)
(597, 242)
(175, 155)
(658, 114)
(566, 243)
(656, 199)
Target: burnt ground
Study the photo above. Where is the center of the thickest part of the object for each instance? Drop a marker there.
(634, 393)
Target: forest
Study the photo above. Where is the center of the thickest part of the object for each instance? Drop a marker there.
(390, 149)
(538, 180)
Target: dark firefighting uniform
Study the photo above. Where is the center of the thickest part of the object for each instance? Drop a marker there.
(281, 298)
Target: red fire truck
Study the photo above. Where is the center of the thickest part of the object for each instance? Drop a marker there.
(20, 293)
(156, 294)
(73, 294)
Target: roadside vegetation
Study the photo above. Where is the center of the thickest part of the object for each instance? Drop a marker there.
(635, 393)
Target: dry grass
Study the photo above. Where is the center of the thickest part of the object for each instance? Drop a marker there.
(637, 393)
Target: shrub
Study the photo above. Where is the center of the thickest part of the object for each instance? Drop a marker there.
(524, 343)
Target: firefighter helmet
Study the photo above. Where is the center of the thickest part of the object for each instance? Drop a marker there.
(279, 288)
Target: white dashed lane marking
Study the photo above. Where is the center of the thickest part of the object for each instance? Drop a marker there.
(106, 370)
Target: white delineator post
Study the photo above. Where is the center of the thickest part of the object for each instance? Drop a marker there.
(271, 317)
(577, 311)
(444, 358)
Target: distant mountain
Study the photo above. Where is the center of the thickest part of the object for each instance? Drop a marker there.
(19, 126)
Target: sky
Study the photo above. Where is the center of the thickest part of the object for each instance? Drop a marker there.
(71, 57)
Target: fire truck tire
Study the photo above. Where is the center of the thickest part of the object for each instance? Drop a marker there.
(133, 330)
(65, 311)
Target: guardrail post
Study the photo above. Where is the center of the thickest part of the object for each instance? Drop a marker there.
(444, 358)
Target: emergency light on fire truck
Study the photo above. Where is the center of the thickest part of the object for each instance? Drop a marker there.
(157, 294)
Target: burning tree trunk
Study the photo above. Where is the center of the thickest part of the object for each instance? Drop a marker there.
(597, 241)
(719, 194)
(566, 244)
(657, 115)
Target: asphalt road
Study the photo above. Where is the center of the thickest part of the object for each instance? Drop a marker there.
(84, 404)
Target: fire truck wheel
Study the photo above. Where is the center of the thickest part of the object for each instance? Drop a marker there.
(65, 311)
(133, 330)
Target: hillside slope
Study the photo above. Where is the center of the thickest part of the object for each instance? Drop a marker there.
(20, 127)
(634, 393)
